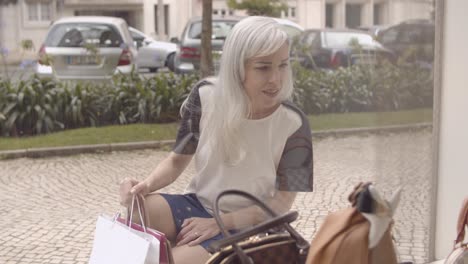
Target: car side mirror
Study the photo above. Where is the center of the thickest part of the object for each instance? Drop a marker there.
(174, 40)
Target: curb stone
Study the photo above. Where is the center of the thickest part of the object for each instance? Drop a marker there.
(106, 148)
(369, 130)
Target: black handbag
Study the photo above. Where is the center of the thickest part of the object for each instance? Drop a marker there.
(258, 244)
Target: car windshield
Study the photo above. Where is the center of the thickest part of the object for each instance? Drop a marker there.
(346, 39)
(82, 34)
(136, 35)
(220, 29)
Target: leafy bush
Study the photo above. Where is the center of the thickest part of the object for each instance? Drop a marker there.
(37, 106)
(135, 99)
(29, 107)
(386, 87)
(80, 104)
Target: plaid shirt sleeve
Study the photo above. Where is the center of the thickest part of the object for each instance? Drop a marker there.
(189, 130)
(295, 170)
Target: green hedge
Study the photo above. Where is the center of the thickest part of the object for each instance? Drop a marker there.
(386, 87)
(39, 106)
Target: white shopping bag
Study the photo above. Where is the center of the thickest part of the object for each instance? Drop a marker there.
(119, 243)
(116, 243)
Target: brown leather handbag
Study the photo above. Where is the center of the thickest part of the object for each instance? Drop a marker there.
(459, 254)
(343, 237)
(259, 244)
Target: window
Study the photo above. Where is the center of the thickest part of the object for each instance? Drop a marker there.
(138, 37)
(389, 36)
(378, 12)
(80, 34)
(344, 39)
(411, 35)
(39, 11)
(309, 39)
(215, 11)
(292, 11)
(353, 15)
(329, 14)
(220, 29)
(166, 19)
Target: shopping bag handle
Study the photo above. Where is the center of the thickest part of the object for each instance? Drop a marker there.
(141, 211)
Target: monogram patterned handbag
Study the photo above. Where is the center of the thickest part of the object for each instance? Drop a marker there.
(259, 244)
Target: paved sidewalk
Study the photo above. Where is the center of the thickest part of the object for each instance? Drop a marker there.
(50, 205)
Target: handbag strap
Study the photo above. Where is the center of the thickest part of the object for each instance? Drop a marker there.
(462, 222)
(301, 242)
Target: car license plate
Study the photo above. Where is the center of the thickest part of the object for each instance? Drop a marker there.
(82, 60)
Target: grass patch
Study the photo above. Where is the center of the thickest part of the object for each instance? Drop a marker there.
(375, 119)
(148, 132)
(94, 135)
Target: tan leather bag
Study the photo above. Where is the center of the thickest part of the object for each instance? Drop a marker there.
(459, 254)
(343, 238)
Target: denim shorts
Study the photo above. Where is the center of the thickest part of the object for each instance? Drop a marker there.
(184, 206)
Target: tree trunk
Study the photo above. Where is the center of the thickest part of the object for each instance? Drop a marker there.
(206, 56)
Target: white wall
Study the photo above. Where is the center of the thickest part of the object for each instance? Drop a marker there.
(148, 18)
(181, 11)
(453, 141)
(9, 26)
(178, 16)
(15, 28)
(310, 13)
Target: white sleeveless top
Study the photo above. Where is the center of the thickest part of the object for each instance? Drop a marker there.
(279, 155)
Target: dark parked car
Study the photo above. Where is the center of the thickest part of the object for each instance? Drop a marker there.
(412, 39)
(375, 30)
(331, 49)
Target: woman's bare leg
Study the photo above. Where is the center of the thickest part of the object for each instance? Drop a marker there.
(160, 215)
(190, 255)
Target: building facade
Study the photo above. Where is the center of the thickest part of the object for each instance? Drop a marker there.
(30, 19)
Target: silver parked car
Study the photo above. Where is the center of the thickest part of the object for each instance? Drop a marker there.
(187, 59)
(153, 54)
(87, 48)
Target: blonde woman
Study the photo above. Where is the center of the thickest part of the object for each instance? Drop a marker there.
(242, 133)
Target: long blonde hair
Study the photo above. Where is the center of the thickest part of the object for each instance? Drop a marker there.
(251, 37)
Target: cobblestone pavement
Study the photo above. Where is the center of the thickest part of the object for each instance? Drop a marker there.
(50, 205)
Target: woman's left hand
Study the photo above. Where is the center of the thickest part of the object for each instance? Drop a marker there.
(196, 230)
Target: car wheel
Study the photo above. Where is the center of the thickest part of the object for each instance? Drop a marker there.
(153, 69)
(170, 62)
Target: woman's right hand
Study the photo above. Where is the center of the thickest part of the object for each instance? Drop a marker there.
(130, 187)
